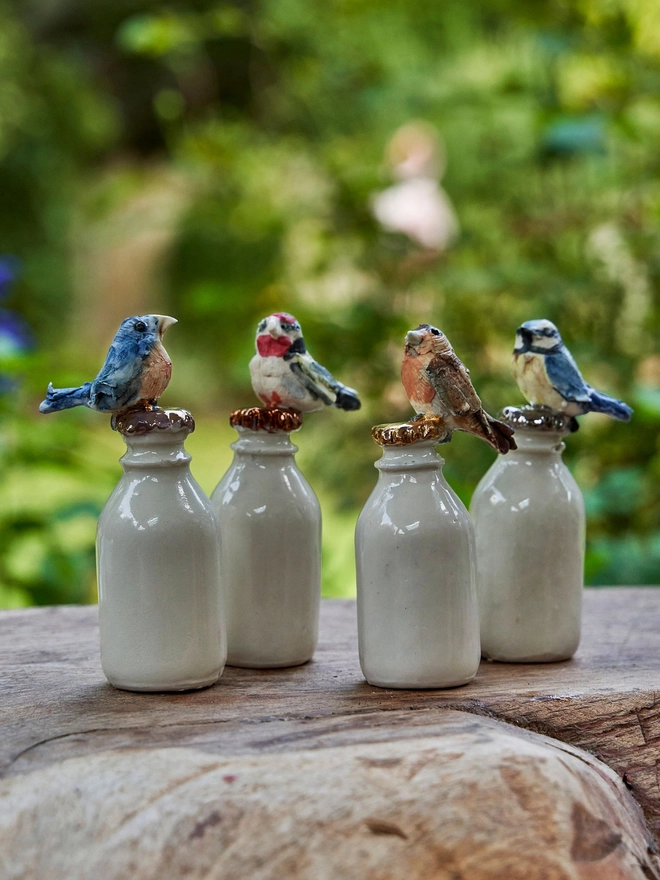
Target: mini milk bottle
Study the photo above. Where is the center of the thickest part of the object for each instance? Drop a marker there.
(530, 529)
(270, 522)
(158, 560)
(418, 621)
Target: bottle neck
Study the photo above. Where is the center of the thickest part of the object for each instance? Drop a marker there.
(415, 456)
(155, 450)
(539, 442)
(263, 443)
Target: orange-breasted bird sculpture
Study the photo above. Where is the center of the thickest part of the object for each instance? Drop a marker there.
(438, 383)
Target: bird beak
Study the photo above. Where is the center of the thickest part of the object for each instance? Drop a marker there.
(273, 327)
(164, 321)
(413, 338)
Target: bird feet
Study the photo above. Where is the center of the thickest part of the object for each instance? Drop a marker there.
(123, 414)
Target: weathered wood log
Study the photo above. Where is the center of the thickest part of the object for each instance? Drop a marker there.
(479, 800)
(69, 738)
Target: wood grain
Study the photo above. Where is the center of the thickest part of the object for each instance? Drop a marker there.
(478, 800)
(55, 703)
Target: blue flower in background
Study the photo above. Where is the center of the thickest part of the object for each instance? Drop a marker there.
(15, 335)
(7, 273)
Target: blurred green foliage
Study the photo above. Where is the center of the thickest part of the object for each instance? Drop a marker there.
(52, 490)
(272, 117)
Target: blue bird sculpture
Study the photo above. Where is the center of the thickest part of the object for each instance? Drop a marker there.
(136, 371)
(547, 375)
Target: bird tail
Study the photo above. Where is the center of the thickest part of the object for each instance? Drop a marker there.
(617, 409)
(500, 435)
(65, 398)
(495, 433)
(347, 398)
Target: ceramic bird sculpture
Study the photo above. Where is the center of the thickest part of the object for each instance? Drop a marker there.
(437, 383)
(136, 371)
(285, 375)
(547, 375)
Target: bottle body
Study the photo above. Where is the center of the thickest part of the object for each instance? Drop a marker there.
(530, 527)
(270, 523)
(416, 581)
(158, 561)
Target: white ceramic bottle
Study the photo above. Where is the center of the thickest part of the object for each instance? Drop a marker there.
(158, 560)
(270, 523)
(530, 527)
(418, 622)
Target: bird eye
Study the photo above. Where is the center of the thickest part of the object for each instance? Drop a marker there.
(140, 326)
(435, 331)
(285, 325)
(262, 326)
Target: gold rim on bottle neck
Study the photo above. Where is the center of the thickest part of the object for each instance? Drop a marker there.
(405, 433)
(143, 420)
(270, 419)
(538, 418)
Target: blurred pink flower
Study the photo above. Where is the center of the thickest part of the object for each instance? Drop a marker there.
(417, 206)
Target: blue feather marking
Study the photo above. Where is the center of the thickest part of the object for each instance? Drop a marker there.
(610, 406)
(565, 377)
(120, 378)
(347, 398)
(58, 399)
(310, 374)
(315, 389)
(567, 380)
(119, 381)
(327, 375)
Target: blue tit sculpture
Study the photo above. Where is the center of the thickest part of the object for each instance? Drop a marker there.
(136, 371)
(547, 375)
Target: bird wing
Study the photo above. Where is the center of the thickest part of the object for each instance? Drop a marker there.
(320, 382)
(451, 380)
(119, 380)
(565, 376)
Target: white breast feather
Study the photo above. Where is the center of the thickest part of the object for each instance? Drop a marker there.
(275, 384)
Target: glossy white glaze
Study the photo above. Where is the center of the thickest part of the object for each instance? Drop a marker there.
(158, 561)
(270, 522)
(418, 623)
(530, 526)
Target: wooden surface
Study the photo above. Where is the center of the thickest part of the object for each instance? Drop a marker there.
(477, 800)
(55, 705)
